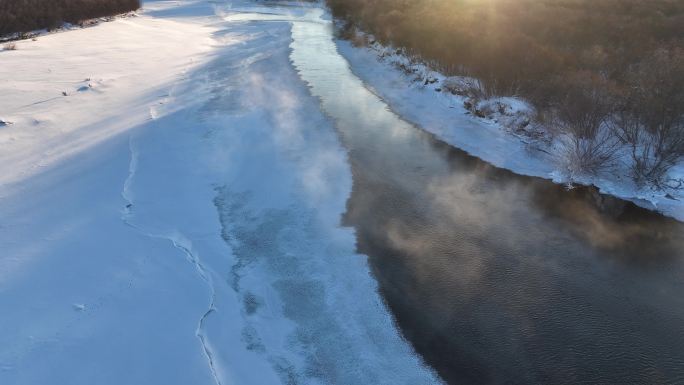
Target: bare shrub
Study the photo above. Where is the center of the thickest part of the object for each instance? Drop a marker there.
(464, 86)
(652, 120)
(586, 104)
(582, 116)
(589, 155)
(654, 154)
(348, 31)
(11, 46)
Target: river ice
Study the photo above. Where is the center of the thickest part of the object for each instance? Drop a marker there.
(181, 223)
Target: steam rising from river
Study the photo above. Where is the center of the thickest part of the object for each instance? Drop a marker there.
(311, 307)
(492, 276)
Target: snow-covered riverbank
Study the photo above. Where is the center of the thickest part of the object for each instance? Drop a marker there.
(420, 96)
(170, 199)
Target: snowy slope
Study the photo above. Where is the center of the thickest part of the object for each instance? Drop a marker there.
(84, 299)
(174, 218)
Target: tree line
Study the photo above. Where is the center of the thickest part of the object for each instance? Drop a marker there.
(607, 74)
(17, 16)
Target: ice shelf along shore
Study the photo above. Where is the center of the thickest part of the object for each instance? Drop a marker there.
(419, 95)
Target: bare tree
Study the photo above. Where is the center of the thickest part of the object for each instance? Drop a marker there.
(582, 117)
(653, 121)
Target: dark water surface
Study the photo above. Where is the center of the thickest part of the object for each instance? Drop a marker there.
(494, 277)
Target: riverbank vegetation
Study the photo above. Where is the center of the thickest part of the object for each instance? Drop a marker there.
(607, 75)
(18, 16)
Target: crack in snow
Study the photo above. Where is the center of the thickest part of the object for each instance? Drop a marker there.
(179, 242)
(202, 272)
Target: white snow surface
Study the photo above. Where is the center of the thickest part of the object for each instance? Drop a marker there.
(170, 200)
(418, 94)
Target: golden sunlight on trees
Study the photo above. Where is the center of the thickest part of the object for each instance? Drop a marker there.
(606, 70)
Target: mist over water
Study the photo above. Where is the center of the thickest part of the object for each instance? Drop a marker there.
(495, 277)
